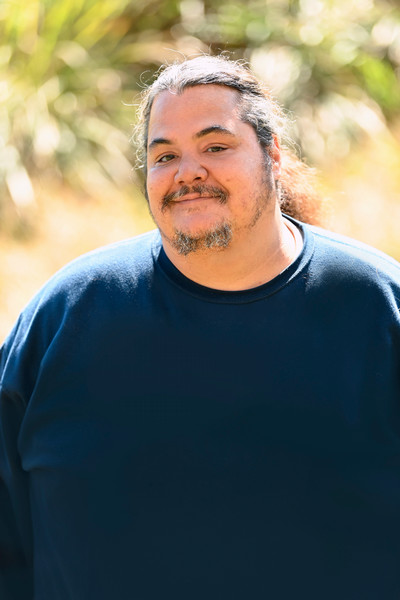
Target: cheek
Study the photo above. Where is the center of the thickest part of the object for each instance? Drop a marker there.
(151, 197)
(154, 189)
(158, 182)
(153, 202)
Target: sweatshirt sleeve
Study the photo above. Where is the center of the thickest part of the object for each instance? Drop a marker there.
(15, 515)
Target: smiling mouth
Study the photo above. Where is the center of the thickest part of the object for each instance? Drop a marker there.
(192, 197)
(198, 192)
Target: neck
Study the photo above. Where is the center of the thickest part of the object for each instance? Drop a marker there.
(249, 261)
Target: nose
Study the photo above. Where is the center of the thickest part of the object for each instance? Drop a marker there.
(189, 171)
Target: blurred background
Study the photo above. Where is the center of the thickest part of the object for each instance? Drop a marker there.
(70, 75)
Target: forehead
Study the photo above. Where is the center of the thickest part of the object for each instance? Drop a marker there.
(193, 110)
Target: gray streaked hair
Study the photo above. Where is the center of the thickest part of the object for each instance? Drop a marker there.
(256, 106)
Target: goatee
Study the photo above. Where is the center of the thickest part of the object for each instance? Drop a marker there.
(220, 237)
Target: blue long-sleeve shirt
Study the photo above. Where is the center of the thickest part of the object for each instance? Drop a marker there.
(159, 439)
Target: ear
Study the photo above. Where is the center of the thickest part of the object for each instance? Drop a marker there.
(274, 150)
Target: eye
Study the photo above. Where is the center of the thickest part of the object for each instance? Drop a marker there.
(213, 149)
(166, 158)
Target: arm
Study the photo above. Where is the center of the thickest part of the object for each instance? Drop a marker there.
(15, 520)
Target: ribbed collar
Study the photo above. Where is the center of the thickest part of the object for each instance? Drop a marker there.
(273, 286)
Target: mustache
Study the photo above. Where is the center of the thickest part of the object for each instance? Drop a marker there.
(201, 189)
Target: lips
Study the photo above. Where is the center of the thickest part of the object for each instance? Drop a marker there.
(192, 197)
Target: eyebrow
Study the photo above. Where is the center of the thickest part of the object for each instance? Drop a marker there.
(214, 129)
(158, 141)
(206, 131)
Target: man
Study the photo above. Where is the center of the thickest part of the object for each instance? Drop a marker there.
(210, 410)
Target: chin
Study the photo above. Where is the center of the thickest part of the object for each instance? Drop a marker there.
(217, 237)
(197, 225)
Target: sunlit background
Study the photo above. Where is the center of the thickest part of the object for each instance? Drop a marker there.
(71, 71)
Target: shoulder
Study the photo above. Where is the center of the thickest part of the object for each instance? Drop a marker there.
(346, 246)
(109, 267)
(333, 249)
(126, 258)
(342, 265)
(88, 283)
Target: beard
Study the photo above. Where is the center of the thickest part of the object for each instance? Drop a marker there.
(219, 237)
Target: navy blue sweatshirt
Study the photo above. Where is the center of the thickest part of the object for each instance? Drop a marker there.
(160, 439)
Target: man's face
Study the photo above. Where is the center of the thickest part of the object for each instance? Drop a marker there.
(209, 184)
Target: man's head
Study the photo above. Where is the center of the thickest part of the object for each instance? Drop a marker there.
(210, 183)
(256, 107)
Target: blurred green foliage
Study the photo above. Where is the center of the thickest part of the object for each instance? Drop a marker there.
(70, 70)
